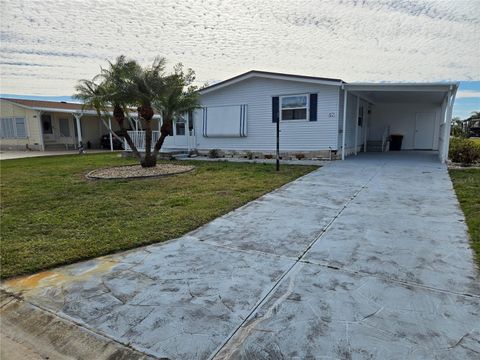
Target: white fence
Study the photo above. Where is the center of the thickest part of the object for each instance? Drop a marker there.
(138, 138)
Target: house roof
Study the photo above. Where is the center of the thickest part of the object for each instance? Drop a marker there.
(271, 75)
(61, 106)
(42, 104)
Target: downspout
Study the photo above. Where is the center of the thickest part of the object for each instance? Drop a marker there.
(345, 98)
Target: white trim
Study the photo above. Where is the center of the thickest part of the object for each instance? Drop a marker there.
(356, 124)
(306, 107)
(431, 87)
(253, 74)
(344, 129)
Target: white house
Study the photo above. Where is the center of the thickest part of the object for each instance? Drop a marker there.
(318, 117)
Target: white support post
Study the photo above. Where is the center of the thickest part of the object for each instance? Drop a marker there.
(187, 131)
(79, 128)
(365, 129)
(40, 127)
(110, 132)
(448, 124)
(344, 130)
(356, 124)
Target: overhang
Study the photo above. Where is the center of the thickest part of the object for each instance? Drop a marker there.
(433, 93)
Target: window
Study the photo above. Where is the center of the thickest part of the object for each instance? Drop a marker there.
(13, 128)
(64, 127)
(294, 107)
(180, 127)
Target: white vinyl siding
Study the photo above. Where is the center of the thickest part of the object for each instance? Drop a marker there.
(13, 128)
(257, 94)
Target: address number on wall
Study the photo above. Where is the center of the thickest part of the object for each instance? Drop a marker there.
(332, 114)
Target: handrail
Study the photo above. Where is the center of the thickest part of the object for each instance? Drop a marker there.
(138, 138)
(385, 135)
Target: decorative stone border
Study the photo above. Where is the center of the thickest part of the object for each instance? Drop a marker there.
(175, 170)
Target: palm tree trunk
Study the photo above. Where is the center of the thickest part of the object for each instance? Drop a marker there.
(165, 130)
(119, 117)
(146, 112)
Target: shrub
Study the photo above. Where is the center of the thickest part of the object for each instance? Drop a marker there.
(249, 155)
(214, 153)
(464, 151)
(300, 156)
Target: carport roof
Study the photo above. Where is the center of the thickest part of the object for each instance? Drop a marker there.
(402, 92)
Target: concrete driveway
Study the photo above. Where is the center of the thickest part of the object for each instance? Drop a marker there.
(362, 259)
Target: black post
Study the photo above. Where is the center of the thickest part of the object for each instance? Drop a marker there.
(278, 145)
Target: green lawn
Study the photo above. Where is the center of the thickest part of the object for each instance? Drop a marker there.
(467, 187)
(52, 215)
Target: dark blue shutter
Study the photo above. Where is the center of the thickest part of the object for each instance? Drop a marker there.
(275, 109)
(313, 107)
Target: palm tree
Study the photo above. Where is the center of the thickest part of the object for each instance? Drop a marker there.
(180, 97)
(149, 85)
(125, 83)
(112, 88)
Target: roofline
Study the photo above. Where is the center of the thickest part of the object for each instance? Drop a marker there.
(270, 75)
(431, 86)
(68, 111)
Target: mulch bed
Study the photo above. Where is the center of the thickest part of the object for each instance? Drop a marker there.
(136, 171)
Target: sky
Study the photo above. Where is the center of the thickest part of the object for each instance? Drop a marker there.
(47, 46)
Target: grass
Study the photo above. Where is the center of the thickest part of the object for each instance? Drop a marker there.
(51, 215)
(475, 139)
(467, 186)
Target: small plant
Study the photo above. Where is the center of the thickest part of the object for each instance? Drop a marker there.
(464, 151)
(214, 154)
(249, 155)
(300, 156)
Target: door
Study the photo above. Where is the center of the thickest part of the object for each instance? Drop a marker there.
(47, 127)
(179, 133)
(424, 131)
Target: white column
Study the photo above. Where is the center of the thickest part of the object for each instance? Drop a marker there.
(40, 124)
(356, 124)
(448, 125)
(365, 128)
(344, 130)
(187, 131)
(79, 127)
(110, 132)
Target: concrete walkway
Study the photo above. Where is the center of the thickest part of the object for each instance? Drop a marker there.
(10, 154)
(364, 259)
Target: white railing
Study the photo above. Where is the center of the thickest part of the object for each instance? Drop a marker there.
(385, 135)
(138, 138)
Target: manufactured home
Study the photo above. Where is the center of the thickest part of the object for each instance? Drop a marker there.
(317, 117)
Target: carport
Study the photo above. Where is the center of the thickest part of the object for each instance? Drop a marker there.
(420, 113)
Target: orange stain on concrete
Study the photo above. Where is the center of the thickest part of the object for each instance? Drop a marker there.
(53, 278)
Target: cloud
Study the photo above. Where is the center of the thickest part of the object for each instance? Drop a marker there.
(468, 94)
(368, 40)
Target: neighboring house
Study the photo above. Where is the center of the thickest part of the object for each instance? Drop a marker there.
(48, 125)
(318, 117)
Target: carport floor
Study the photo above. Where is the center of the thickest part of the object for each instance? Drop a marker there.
(366, 258)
